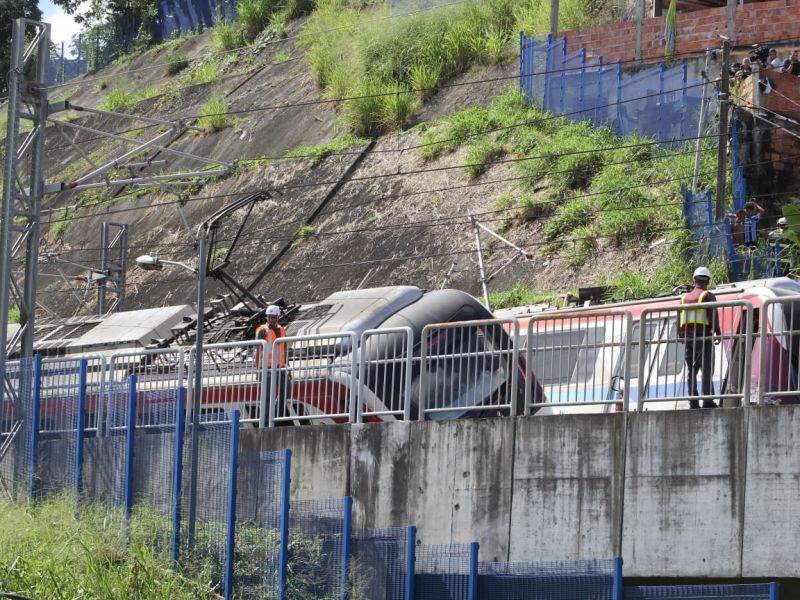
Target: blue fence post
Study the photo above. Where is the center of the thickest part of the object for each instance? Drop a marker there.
(659, 118)
(36, 410)
(616, 593)
(548, 53)
(600, 98)
(472, 593)
(129, 445)
(177, 474)
(411, 559)
(347, 532)
(774, 588)
(283, 550)
(522, 86)
(233, 466)
(79, 428)
(581, 116)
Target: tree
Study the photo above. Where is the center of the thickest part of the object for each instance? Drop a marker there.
(10, 10)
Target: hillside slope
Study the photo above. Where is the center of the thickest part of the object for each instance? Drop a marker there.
(367, 214)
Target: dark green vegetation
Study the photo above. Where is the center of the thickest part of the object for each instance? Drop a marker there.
(45, 552)
(10, 10)
(590, 192)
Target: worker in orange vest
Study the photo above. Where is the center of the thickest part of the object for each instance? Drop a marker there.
(270, 332)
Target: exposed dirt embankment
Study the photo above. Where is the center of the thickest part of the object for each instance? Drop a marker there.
(394, 218)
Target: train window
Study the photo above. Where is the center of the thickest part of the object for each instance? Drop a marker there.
(555, 355)
(651, 328)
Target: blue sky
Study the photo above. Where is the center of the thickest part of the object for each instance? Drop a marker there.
(63, 26)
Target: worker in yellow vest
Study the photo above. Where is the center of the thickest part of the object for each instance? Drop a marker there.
(270, 332)
(697, 328)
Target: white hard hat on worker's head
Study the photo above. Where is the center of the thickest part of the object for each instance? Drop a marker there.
(702, 273)
(782, 222)
(273, 311)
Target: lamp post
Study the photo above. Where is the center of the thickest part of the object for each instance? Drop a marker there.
(152, 262)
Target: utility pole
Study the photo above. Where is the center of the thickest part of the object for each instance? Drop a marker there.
(722, 149)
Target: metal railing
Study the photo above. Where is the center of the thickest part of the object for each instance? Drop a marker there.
(385, 372)
(234, 378)
(670, 366)
(779, 351)
(561, 363)
(315, 380)
(468, 367)
(580, 359)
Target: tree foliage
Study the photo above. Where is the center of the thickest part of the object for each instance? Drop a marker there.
(10, 10)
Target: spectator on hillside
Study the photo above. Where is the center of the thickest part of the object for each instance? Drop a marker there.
(794, 64)
(750, 223)
(746, 69)
(773, 61)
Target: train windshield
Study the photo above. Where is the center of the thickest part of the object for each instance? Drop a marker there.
(466, 367)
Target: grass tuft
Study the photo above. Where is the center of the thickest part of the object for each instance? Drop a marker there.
(213, 115)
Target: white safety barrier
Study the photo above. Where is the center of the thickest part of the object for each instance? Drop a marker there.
(578, 359)
(234, 378)
(385, 371)
(779, 351)
(672, 369)
(316, 379)
(469, 367)
(159, 373)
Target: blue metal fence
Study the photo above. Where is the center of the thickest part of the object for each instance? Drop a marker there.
(659, 102)
(549, 580)
(248, 538)
(442, 572)
(752, 591)
(378, 568)
(259, 504)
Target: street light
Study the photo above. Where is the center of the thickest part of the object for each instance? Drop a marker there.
(152, 262)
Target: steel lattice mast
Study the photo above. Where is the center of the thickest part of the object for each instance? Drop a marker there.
(23, 181)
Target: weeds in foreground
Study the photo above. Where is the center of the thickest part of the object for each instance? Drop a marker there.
(303, 232)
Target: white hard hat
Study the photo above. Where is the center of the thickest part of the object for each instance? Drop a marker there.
(702, 272)
(273, 311)
(782, 221)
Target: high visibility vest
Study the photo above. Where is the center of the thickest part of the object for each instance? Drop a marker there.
(270, 335)
(695, 316)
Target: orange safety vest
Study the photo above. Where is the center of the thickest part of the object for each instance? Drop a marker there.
(270, 335)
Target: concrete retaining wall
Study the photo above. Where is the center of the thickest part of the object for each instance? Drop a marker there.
(677, 494)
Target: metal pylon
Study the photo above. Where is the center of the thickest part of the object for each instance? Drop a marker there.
(113, 265)
(23, 179)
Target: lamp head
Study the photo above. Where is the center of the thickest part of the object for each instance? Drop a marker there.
(149, 262)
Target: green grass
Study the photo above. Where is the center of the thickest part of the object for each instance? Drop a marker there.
(14, 315)
(226, 37)
(254, 16)
(303, 232)
(213, 115)
(519, 295)
(352, 57)
(281, 57)
(119, 99)
(317, 153)
(45, 552)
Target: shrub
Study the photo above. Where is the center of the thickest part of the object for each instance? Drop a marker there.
(119, 99)
(364, 113)
(254, 16)
(397, 107)
(226, 37)
(535, 207)
(176, 62)
(213, 115)
(569, 217)
(424, 78)
(205, 72)
(14, 315)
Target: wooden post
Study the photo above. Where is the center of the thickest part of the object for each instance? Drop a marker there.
(731, 20)
(639, 18)
(554, 17)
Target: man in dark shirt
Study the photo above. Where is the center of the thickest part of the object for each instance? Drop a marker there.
(697, 328)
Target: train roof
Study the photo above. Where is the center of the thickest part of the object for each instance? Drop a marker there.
(778, 286)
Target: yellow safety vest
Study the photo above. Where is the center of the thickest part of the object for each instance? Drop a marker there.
(695, 316)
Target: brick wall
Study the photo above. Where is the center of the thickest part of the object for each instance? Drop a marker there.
(755, 23)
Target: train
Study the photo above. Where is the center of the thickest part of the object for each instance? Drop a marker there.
(401, 352)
